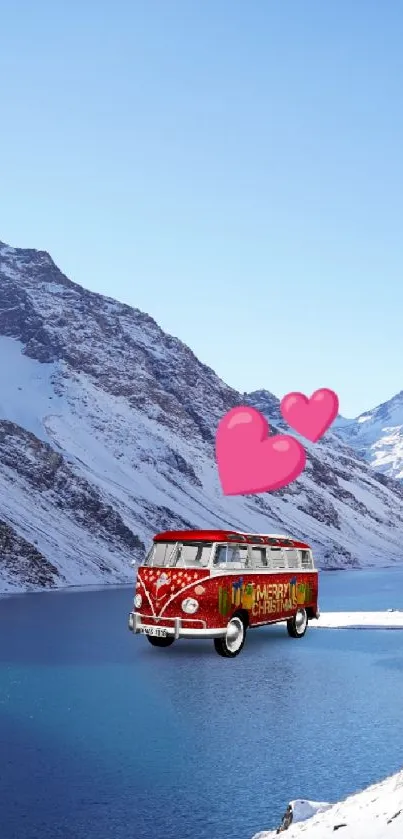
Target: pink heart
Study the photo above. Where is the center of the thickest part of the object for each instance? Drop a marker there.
(310, 417)
(249, 461)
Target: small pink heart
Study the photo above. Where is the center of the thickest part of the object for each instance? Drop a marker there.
(310, 417)
(249, 461)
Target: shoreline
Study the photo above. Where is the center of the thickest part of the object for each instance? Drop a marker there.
(107, 586)
(68, 589)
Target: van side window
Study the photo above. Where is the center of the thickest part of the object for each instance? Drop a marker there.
(293, 558)
(276, 558)
(194, 554)
(229, 554)
(306, 559)
(243, 555)
(259, 558)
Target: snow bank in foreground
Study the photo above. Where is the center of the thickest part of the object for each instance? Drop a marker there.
(375, 813)
(303, 810)
(392, 619)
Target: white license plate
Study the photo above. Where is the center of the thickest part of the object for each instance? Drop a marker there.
(154, 630)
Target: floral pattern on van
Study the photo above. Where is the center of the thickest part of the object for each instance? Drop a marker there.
(161, 585)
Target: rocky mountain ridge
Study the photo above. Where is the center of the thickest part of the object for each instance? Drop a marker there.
(377, 436)
(107, 435)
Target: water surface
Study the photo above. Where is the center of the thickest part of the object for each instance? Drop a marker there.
(104, 736)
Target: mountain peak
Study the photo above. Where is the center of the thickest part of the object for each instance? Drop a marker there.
(267, 403)
(377, 435)
(25, 253)
(385, 409)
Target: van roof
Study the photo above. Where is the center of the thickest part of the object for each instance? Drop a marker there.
(229, 536)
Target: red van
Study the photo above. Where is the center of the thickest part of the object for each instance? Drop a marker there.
(219, 583)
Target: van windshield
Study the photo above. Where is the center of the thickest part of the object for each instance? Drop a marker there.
(179, 555)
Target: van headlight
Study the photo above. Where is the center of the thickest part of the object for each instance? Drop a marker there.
(190, 605)
(138, 601)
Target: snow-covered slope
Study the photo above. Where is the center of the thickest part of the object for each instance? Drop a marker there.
(107, 433)
(375, 813)
(377, 436)
(77, 535)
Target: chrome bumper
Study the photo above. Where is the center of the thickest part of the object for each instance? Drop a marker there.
(175, 627)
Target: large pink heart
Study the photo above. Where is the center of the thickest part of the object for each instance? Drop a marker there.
(249, 461)
(310, 417)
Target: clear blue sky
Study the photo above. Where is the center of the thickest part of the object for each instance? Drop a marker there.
(233, 168)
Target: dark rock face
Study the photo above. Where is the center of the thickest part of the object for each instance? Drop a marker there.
(127, 444)
(46, 471)
(322, 474)
(286, 821)
(321, 510)
(18, 319)
(21, 561)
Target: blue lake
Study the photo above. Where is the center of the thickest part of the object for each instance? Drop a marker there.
(104, 736)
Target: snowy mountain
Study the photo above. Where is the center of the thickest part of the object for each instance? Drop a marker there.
(377, 436)
(107, 435)
(375, 813)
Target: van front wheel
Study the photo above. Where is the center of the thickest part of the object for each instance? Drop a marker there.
(297, 625)
(160, 642)
(232, 642)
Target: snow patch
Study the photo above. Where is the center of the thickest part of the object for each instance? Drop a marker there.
(26, 388)
(392, 619)
(375, 813)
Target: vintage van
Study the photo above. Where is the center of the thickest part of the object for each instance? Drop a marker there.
(219, 583)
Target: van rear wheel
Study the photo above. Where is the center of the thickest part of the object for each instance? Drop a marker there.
(232, 642)
(297, 625)
(155, 641)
